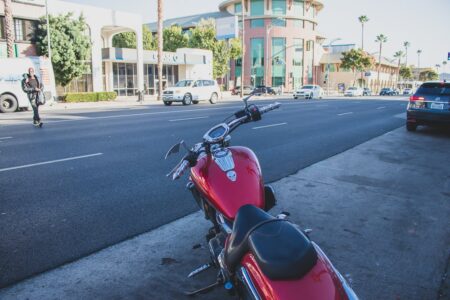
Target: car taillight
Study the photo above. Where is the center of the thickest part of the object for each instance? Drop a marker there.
(416, 98)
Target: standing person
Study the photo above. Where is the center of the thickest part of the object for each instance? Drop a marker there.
(33, 87)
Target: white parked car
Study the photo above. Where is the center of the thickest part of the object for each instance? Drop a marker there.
(354, 91)
(408, 91)
(309, 92)
(192, 91)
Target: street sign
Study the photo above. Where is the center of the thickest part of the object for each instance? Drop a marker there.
(448, 57)
(227, 28)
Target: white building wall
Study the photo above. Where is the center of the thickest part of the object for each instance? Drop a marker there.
(103, 24)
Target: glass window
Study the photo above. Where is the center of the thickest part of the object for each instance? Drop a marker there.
(237, 8)
(298, 23)
(309, 25)
(298, 53)
(257, 61)
(310, 11)
(309, 61)
(278, 61)
(257, 8)
(18, 29)
(257, 23)
(24, 29)
(298, 8)
(279, 22)
(279, 7)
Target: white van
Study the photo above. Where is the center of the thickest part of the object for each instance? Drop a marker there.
(12, 97)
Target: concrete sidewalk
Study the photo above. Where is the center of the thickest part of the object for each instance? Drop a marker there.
(380, 211)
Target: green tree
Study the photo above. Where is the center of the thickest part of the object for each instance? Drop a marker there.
(128, 39)
(406, 73)
(356, 60)
(70, 46)
(428, 75)
(174, 38)
(204, 37)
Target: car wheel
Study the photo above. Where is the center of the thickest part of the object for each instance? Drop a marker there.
(167, 103)
(195, 102)
(295, 97)
(187, 100)
(411, 126)
(213, 98)
(8, 103)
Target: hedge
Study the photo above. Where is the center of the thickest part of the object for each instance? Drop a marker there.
(89, 97)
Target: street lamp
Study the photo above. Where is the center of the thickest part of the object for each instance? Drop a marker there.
(328, 64)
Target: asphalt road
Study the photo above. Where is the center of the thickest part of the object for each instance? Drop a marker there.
(88, 180)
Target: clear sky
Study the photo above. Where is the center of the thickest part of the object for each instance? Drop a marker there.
(424, 23)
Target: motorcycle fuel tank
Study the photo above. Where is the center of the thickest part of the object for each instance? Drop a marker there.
(230, 178)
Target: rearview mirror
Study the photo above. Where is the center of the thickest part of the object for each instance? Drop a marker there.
(176, 148)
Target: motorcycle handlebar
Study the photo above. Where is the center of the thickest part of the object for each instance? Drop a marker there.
(267, 108)
(179, 170)
(184, 164)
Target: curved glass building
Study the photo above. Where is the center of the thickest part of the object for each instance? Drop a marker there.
(282, 45)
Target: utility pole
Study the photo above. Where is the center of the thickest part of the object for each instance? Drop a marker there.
(243, 47)
(48, 33)
(160, 49)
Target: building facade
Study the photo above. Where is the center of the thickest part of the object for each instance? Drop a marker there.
(125, 71)
(282, 44)
(339, 76)
(26, 14)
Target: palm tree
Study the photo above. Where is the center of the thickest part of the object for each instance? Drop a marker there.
(437, 67)
(406, 44)
(9, 28)
(418, 58)
(380, 39)
(398, 55)
(160, 48)
(362, 20)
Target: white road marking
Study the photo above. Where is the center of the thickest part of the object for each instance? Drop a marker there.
(381, 107)
(267, 126)
(151, 113)
(6, 138)
(186, 119)
(50, 162)
(347, 113)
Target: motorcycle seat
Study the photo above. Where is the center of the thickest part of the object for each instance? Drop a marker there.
(281, 250)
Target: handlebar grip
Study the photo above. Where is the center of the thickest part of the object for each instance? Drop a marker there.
(180, 170)
(269, 107)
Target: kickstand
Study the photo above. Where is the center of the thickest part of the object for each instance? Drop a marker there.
(202, 290)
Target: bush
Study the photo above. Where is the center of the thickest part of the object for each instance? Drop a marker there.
(89, 97)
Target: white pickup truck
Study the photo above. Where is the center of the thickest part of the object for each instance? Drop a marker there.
(12, 97)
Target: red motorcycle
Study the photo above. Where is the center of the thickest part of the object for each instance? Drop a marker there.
(258, 256)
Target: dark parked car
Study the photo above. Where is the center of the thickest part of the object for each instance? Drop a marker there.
(388, 92)
(262, 89)
(367, 92)
(429, 105)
